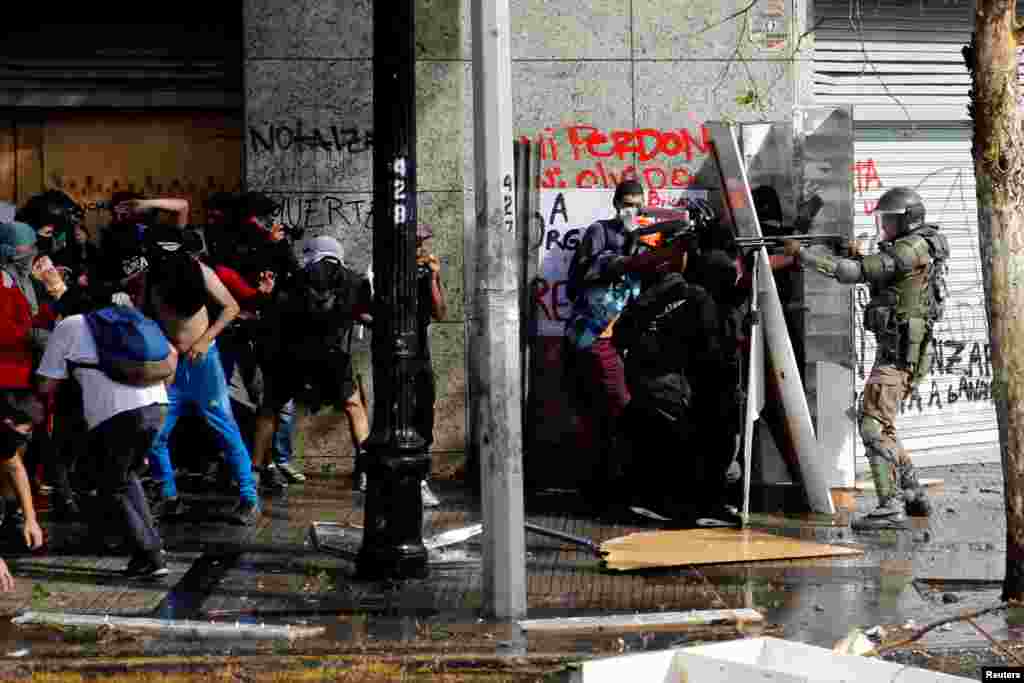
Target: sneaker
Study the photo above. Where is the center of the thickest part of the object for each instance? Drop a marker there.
(246, 513)
(272, 480)
(147, 567)
(290, 473)
(427, 496)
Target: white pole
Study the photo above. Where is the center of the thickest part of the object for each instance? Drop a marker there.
(494, 326)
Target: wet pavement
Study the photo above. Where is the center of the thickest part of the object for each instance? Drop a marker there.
(272, 574)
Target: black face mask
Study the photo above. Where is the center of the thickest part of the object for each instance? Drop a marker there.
(11, 440)
(321, 281)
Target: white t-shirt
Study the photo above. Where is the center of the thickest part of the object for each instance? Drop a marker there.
(102, 397)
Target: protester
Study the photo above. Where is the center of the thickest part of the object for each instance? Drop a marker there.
(63, 298)
(25, 326)
(431, 306)
(683, 412)
(122, 420)
(178, 289)
(53, 215)
(302, 345)
(20, 414)
(604, 276)
(80, 257)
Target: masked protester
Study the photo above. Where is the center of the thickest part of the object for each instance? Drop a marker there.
(20, 411)
(906, 280)
(604, 276)
(302, 346)
(53, 215)
(683, 412)
(80, 257)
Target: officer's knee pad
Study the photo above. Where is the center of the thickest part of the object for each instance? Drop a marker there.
(870, 431)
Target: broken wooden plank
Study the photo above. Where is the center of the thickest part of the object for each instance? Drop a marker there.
(169, 628)
(646, 550)
(643, 622)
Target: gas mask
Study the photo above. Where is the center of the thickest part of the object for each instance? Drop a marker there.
(321, 280)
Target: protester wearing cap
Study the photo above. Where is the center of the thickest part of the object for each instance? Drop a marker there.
(304, 344)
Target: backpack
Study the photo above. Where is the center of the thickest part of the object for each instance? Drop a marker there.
(131, 348)
(574, 280)
(938, 246)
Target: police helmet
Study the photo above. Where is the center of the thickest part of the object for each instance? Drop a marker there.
(899, 211)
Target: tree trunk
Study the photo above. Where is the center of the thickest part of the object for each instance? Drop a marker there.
(998, 150)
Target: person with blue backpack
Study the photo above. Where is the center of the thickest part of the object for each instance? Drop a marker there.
(605, 274)
(122, 361)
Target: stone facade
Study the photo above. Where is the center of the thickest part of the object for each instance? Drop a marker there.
(604, 86)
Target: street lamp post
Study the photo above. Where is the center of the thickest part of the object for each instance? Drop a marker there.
(396, 454)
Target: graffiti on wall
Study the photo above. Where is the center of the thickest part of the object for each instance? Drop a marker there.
(663, 159)
(300, 153)
(305, 211)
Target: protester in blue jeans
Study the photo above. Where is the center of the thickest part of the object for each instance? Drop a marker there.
(283, 443)
(178, 287)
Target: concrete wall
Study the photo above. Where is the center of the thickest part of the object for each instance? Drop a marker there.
(588, 77)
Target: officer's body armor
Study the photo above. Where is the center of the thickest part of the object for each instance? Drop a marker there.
(906, 297)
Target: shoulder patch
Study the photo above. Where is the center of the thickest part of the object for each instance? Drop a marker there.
(6, 280)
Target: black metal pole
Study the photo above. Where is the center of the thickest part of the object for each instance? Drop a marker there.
(396, 454)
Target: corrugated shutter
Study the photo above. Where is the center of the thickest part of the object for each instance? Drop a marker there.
(893, 60)
(899, 21)
(953, 419)
(98, 63)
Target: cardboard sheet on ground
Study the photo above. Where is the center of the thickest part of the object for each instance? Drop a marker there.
(654, 549)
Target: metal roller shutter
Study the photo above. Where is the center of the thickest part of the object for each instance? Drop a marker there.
(953, 417)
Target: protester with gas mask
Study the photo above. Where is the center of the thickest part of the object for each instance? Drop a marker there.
(303, 347)
(604, 276)
(53, 215)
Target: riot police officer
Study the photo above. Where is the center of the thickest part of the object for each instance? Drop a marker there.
(906, 284)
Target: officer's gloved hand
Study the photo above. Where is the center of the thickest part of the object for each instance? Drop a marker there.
(791, 247)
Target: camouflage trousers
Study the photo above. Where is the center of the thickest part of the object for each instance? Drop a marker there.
(890, 464)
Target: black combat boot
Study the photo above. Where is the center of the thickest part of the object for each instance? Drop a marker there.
(889, 513)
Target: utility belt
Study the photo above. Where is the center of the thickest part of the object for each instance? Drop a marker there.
(903, 341)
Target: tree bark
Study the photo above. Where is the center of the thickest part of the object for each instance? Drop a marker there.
(998, 150)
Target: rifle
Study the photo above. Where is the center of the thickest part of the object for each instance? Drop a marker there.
(833, 241)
